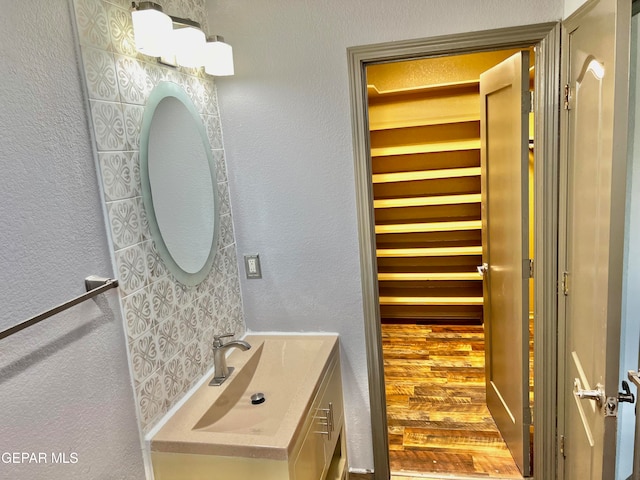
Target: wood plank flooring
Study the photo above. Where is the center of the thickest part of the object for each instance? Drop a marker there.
(437, 417)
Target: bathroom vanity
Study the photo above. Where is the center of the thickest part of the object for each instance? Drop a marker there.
(296, 433)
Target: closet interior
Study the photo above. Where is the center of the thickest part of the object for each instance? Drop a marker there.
(424, 122)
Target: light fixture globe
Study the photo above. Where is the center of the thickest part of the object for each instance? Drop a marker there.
(152, 29)
(188, 42)
(218, 57)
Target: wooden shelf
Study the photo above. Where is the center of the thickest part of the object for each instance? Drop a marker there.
(427, 201)
(426, 175)
(431, 147)
(430, 300)
(424, 108)
(429, 227)
(425, 148)
(439, 276)
(374, 92)
(428, 252)
(426, 161)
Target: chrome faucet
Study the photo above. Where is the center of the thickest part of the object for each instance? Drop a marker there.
(221, 371)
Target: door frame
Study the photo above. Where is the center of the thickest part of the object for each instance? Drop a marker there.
(546, 38)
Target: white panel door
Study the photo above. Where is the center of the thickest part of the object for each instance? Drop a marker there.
(595, 68)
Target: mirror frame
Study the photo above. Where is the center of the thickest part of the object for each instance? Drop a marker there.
(164, 90)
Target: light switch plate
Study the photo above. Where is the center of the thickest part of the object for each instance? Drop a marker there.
(252, 266)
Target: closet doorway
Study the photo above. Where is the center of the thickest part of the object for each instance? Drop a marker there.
(431, 200)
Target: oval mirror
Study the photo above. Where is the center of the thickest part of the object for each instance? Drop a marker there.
(179, 183)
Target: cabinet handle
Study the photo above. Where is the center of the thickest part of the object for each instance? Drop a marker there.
(330, 416)
(325, 421)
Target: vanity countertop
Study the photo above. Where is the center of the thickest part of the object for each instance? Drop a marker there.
(287, 369)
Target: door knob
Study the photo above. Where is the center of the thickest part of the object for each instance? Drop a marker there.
(596, 394)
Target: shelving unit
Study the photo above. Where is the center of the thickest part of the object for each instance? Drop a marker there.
(425, 148)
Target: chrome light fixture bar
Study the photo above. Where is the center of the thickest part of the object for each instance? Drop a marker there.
(179, 41)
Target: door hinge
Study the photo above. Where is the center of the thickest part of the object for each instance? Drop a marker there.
(531, 101)
(567, 96)
(562, 445)
(564, 284)
(531, 268)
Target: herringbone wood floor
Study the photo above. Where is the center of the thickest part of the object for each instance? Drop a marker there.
(437, 417)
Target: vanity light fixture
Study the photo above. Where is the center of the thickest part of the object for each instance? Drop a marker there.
(179, 41)
(218, 57)
(188, 42)
(152, 28)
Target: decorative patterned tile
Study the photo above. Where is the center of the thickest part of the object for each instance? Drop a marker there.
(220, 305)
(132, 80)
(162, 298)
(197, 92)
(168, 338)
(131, 269)
(151, 399)
(117, 176)
(155, 265)
(185, 294)
(121, 28)
(138, 313)
(204, 309)
(173, 378)
(134, 162)
(144, 221)
(188, 323)
(169, 326)
(145, 356)
(206, 347)
(125, 223)
(203, 288)
(211, 97)
(92, 23)
(132, 123)
(108, 124)
(209, 107)
(214, 131)
(223, 198)
(228, 260)
(100, 74)
(193, 360)
(221, 165)
(174, 76)
(226, 231)
(154, 75)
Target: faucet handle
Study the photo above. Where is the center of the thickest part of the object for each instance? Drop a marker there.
(216, 339)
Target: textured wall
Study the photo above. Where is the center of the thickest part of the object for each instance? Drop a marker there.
(64, 383)
(288, 143)
(571, 6)
(169, 326)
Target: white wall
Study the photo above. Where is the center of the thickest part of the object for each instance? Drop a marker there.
(287, 134)
(64, 384)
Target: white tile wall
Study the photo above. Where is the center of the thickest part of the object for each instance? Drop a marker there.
(169, 326)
